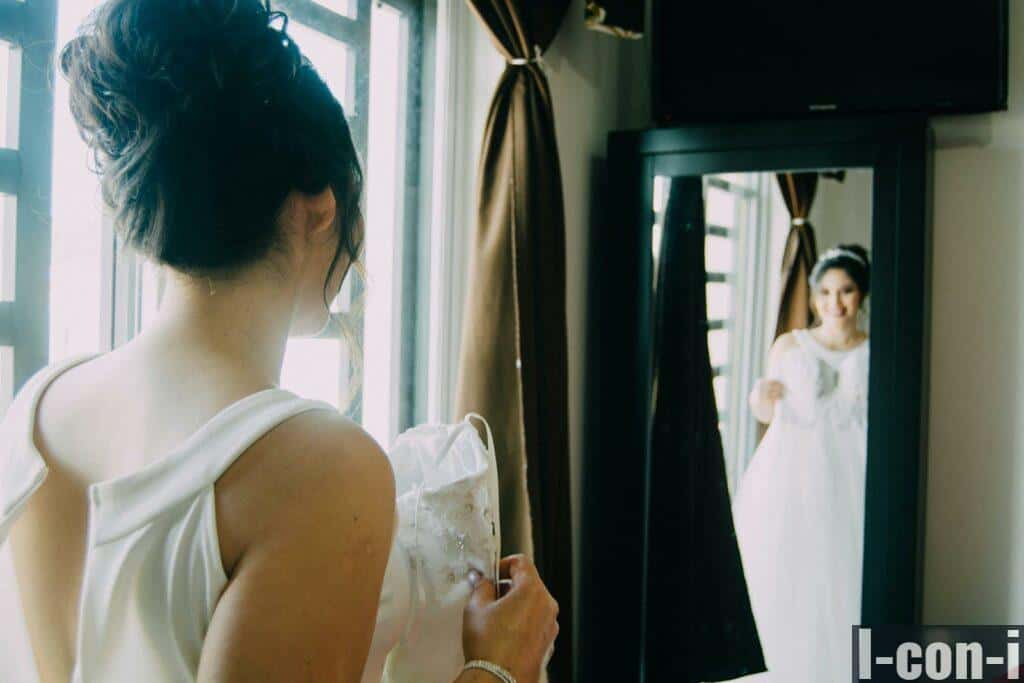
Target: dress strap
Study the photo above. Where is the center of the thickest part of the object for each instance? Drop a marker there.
(127, 503)
(22, 469)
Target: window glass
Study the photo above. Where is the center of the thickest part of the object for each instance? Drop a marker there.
(78, 323)
(10, 78)
(385, 219)
(718, 347)
(8, 217)
(332, 60)
(6, 378)
(720, 207)
(720, 295)
(718, 254)
(721, 388)
(313, 369)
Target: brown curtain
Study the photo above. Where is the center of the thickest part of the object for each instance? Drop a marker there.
(622, 18)
(800, 254)
(513, 364)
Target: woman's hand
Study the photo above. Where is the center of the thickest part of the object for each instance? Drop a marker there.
(769, 390)
(516, 630)
(763, 396)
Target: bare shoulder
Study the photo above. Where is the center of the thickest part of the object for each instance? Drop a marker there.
(305, 519)
(313, 468)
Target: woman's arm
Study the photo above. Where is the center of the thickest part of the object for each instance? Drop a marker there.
(312, 512)
(767, 392)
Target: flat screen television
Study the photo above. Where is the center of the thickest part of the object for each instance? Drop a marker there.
(716, 60)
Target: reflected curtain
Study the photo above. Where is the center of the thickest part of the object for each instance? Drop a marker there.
(800, 254)
(513, 362)
(699, 621)
(622, 18)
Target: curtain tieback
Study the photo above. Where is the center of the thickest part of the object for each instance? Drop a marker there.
(537, 58)
(799, 221)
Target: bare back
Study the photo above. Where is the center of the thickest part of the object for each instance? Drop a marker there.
(121, 412)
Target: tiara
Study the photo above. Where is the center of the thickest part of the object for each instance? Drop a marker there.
(836, 252)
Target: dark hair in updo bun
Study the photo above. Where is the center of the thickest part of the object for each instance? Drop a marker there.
(202, 115)
(852, 259)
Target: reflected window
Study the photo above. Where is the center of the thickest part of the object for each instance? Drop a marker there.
(731, 216)
(733, 227)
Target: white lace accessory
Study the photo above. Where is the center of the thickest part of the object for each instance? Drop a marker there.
(447, 489)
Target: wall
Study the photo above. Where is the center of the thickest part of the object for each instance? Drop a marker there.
(598, 84)
(841, 213)
(975, 510)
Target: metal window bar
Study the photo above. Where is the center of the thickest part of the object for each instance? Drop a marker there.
(725, 185)
(11, 18)
(717, 277)
(10, 170)
(719, 231)
(6, 323)
(24, 324)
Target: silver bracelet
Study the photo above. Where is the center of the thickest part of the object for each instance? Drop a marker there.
(490, 667)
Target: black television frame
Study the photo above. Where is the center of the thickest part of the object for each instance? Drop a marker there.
(668, 111)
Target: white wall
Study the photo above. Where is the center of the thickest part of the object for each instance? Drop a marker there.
(841, 213)
(598, 84)
(974, 559)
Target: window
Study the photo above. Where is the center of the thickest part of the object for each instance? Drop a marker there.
(736, 217)
(25, 99)
(370, 55)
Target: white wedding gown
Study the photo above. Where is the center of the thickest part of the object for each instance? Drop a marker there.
(799, 515)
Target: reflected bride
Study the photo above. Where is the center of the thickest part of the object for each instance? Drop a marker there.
(799, 508)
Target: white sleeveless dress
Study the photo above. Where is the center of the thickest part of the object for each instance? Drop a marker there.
(153, 571)
(799, 514)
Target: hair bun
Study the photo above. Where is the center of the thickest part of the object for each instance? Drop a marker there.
(183, 63)
(202, 116)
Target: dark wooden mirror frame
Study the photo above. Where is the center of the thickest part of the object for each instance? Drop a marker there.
(611, 611)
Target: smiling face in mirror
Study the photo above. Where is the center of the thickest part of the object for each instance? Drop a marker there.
(837, 298)
(788, 346)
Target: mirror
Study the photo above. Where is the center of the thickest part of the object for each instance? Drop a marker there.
(787, 260)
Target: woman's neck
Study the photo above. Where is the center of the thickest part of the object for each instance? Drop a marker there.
(242, 323)
(839, 334)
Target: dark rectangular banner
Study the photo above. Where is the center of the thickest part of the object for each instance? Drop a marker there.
(893, 654)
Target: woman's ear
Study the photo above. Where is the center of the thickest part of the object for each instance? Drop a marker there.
(305, 216)
(321, 210)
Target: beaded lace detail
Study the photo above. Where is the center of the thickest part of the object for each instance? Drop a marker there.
(817, 390)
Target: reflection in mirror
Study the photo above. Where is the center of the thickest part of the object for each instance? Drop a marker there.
(787, 285)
